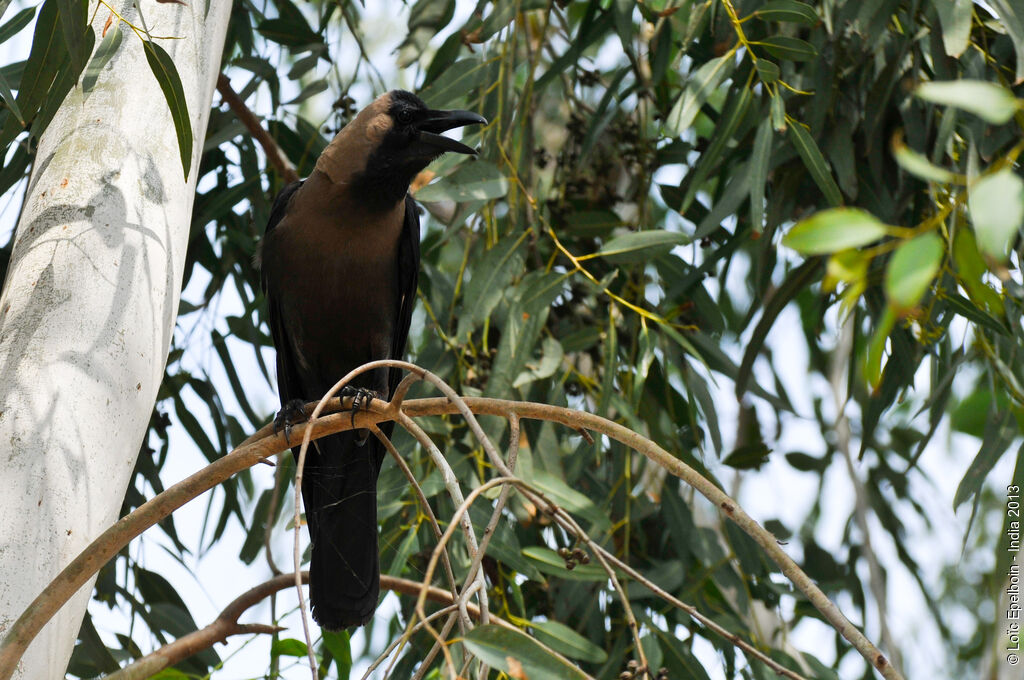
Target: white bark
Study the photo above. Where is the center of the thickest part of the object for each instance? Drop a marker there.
(88, 309)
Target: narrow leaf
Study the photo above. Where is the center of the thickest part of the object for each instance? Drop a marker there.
(990, 102)
(701, 85)
(999, 434)
(108, 48)
(167, 76)
(490, 275)
(1011, 16)
(815, 162)
(9, 99)
(638, 246)
(759, 163)
(18, 22)
(73, 24)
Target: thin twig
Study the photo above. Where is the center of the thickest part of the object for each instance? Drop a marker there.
(296, 553)
(271, 517)
(424, 504)
(450, 609)
(275, 154)
(876, 578)
(225, 625)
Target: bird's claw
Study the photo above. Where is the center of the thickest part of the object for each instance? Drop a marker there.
(291, 413)
(361, 398)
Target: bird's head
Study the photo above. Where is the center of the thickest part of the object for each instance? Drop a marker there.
(390, 141)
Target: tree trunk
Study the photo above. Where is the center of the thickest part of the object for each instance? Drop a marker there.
(89, 305)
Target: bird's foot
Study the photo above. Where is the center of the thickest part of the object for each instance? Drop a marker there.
(361, 398)
(292, 413)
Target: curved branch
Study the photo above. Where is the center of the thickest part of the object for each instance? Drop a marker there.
(226, 623)
(264, 444)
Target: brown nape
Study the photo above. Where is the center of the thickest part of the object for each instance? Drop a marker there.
(348, 152)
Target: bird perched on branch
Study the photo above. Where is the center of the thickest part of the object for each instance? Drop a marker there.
(339, 266)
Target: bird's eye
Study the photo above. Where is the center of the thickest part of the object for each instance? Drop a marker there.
(405, 116)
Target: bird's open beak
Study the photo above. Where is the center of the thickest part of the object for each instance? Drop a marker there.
(436, 122)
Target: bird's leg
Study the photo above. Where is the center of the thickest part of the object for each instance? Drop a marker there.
(361, 398)
(292, 413)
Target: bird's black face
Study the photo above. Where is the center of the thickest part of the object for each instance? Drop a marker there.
(415, 138)
(407, 136)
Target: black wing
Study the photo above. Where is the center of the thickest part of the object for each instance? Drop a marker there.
(288, 383)
(408, 280)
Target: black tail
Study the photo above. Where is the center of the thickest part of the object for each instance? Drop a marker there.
(339, 490)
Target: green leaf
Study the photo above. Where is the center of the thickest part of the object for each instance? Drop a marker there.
(170, 674)
(555, 489)
(767, 71)
(815, 163)
(698, 89)
(1000, 431)
(972, 312)
(919, 165)
(833, 230)
(108, 48)
(989, 101)
(876, 346)
(46, 57)
(760, 159)
(518, 655)
(1011, 18)
(778, 113)
(955, 19)
(639, 246)
(337, 643)
(788, 49)
(288, 647)
(972, 269)
(73, 25)
(750, 456)
(472, 181)
(531, 304)
(795, 283)
(290, 31)
(18, 22)
(787, 10)
(996, 205)
(460, 78)
(170, 83)
(971, 415)
(551, 358)
(912, 270)
(9, 99)
(566, 641)
(490, 275)
(313, 88)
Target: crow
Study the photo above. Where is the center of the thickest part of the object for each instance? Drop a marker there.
(339, 265)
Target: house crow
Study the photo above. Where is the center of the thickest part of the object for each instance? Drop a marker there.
(339, 266)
